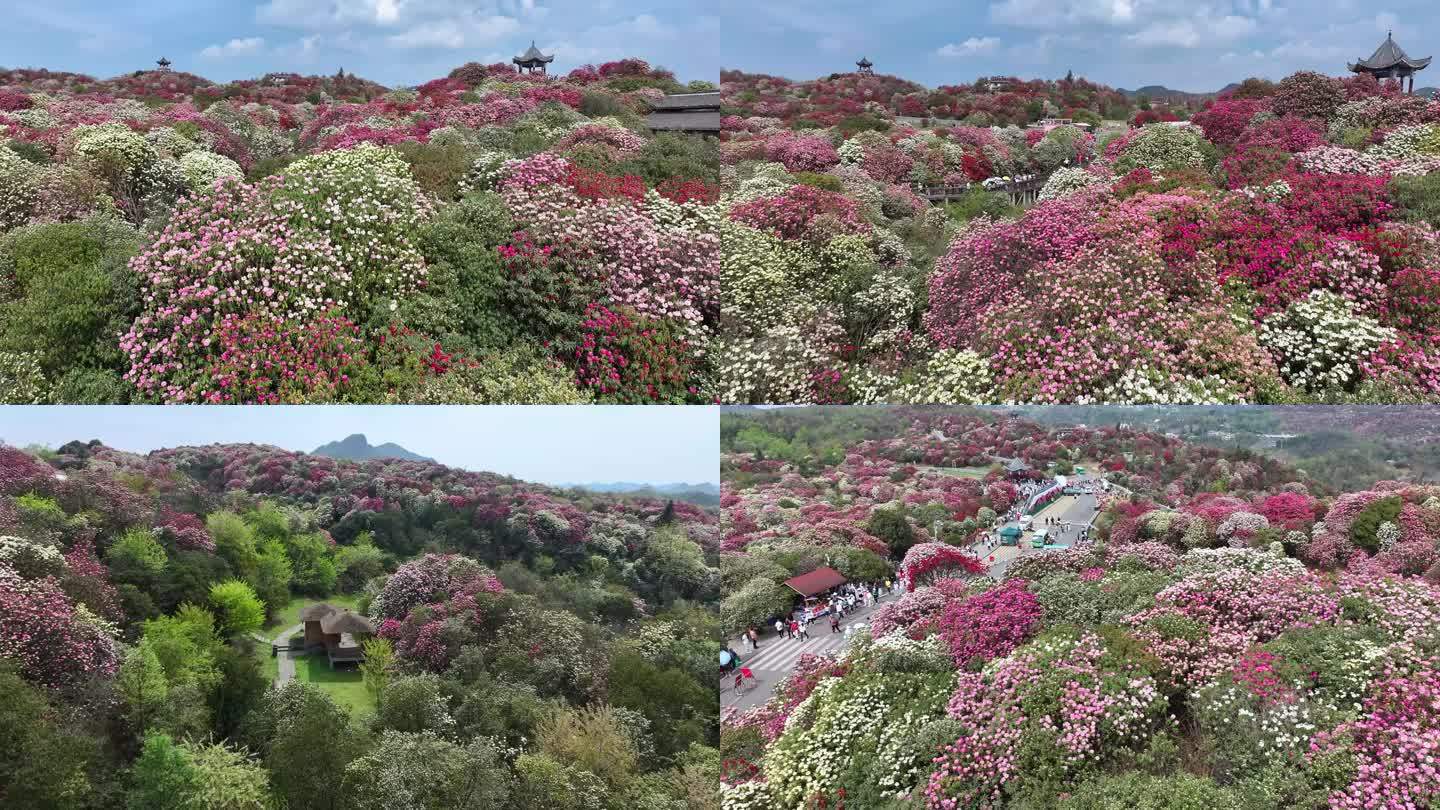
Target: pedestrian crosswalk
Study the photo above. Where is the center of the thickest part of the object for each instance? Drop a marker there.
(780, 655)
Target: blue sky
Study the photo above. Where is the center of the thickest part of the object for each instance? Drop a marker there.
(589, 444)
(394, 42)
(1196, 45)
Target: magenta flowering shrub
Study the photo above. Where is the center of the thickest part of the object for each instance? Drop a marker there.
(267, 361)
(990, 624)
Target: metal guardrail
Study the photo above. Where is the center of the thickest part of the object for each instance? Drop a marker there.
(1022, 193)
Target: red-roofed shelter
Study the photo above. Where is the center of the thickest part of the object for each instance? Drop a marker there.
(817, 581)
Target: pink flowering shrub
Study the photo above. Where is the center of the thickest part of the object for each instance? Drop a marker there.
(431, 578)
(801, 153)
(1060, 708)
(1394, 744)
(53, 644)
(793, 213)
(912, 614)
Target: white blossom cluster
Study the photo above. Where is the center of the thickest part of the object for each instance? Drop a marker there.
(1321, 341)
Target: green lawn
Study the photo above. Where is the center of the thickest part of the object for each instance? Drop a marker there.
(345, 685)
(289, 615)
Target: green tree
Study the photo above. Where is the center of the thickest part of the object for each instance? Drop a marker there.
(422, 771)
(137, 556)
(679, 709)
(592, 739)
(241, 611)
(891, 526)
(413, 703)
(757, 601)
(44, 763)
(163, 776)
(305, 739)
(142, 685)
(379, 657)
(235, 541)
(227, 779)
(312, 564)
(272, 576)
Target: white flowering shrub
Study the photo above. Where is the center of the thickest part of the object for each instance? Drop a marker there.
(950, 377)
(1067, 180)
(18, 178)
(1320, 340)
(22, 381)
(1159, 147)
(201, 169)
(486, 172)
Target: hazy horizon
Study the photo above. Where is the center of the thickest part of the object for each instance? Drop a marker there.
(1190, 46)
(394, 42)
(542, 444)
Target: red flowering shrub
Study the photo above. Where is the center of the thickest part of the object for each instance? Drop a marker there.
(628, 358)
(597, 185)
(681, 191)
(1225, 120)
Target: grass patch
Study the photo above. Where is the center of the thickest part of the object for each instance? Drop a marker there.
(345, 685)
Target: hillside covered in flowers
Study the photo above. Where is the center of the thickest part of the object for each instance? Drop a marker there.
(535, 648)
(1232, 635)
(485, 237)
(1279, 246)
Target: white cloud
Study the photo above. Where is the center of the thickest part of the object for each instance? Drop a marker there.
(1195, 32)
(970, 47)
(235, 47)
(455, 33)
(1055, 13)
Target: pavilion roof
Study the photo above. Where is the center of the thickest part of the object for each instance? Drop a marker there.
(316, 612)
(1389, 55)
(865, 62)
(346, 621)
(533, 55)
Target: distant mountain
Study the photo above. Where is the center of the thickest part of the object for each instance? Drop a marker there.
(701, 494)
(1159, 92)
(357, 448)
(1428, 92)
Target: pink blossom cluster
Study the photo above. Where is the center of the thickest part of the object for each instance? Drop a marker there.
(990, 624)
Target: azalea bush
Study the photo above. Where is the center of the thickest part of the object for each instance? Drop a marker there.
(279, 205)
(1233, 229)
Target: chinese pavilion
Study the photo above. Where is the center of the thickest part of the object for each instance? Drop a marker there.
(164, 65)
(1390, 62)
(532, 60)
(865, 66)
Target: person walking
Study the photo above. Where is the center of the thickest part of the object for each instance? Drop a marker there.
(834, 624)
(805, 631)
(794, 629)
(754, 639)
(779, 628)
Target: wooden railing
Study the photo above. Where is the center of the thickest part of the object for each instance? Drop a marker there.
(1023, 193)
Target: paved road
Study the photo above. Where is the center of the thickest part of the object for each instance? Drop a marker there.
(777, 656)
